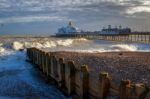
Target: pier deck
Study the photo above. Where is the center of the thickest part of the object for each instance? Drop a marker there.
(141, 37)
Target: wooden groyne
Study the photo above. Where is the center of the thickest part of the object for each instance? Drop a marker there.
(79, 82)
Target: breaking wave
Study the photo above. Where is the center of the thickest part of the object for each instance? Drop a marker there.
(44, 43)
(17, 45)
(112, 48)
(2, 49)
(124, 47)
(77, 45)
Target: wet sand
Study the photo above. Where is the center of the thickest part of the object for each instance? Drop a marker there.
(120, 65)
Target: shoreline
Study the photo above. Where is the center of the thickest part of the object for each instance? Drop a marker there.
(115, 73)
(120, 65)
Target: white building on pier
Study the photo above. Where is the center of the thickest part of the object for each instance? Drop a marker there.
(70, 29)
(115, 31)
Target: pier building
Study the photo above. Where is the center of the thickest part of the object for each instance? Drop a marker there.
(115, 31)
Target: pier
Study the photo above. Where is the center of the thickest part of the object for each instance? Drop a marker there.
(111, 34)
(79, 81)
(139, 37)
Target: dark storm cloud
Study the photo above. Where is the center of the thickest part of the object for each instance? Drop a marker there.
(82, 11)
(60, 8)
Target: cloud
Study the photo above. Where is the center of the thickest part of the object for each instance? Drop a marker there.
(87, 10)
(138, 9)
(27, 19)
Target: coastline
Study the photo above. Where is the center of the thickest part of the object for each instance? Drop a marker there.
(120, 65)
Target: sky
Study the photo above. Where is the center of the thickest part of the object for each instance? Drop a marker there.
(44, 17)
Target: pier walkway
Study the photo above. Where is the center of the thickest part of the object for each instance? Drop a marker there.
(141, 37)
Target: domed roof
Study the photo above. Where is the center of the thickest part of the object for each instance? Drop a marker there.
(69, 29)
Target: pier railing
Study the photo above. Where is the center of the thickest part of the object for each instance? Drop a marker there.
(128, 38)
(133, 37)
(81, 83)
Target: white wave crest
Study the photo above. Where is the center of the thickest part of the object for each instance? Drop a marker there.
(17, 45)
(124, 47)
(77, 45)
(65, 42)
(2, 49)
(49, 44)
(80, 40)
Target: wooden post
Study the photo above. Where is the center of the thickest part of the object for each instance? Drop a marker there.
(43, 61)
(63, 76)
(35, 56)
(40, 59)
(49, 64)
(60, 72)
(125, 89)
(54, 72)
(55, 67)
(84, 82)
(31, 54)
(70, 78)
(46, 63)
(28, 53)
(104, 85)
(58, 63)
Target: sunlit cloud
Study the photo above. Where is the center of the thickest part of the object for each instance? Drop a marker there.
(97, 12)
(138, 9)
(28, 19)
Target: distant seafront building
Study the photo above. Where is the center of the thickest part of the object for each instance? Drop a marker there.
(70, 29)
(115, 31)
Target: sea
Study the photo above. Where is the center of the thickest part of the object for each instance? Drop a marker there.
(19, 80)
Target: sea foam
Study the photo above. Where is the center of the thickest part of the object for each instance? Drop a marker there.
(76, 45)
